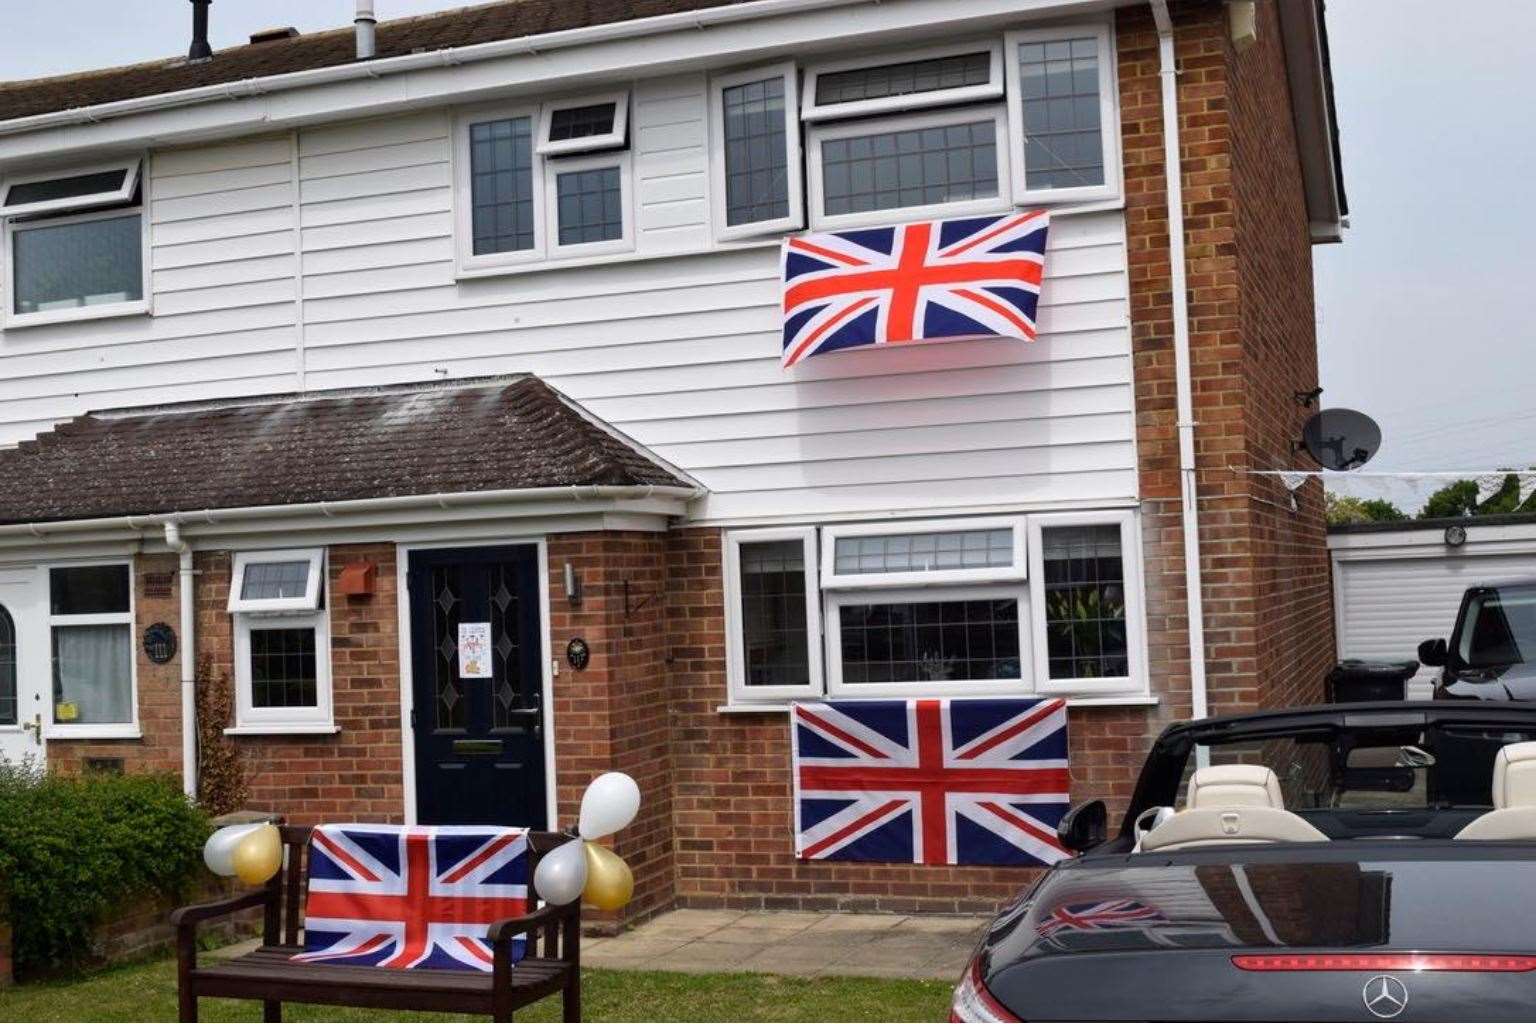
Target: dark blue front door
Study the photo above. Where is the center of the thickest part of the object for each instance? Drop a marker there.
(479, 741)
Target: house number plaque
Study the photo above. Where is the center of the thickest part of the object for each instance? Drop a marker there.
(160, 643)
(578, 653)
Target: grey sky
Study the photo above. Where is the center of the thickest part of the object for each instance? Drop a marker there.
(1423, 310)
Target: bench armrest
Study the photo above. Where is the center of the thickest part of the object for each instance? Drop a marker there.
(511, 927)
(190, 916)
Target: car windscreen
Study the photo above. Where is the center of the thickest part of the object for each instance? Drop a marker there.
(1499, 627)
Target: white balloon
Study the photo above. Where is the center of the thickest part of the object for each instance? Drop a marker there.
(562, 873)
(219, 850)
(610, 803)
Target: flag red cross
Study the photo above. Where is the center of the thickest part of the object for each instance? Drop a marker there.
(931, 778)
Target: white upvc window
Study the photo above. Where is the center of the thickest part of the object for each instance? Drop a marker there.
(935, 76)
(281, 643)
(537, 183)
(75, 245)
(945, 163)
(772, 614)
(924, 553)
(1086, 588)
(754, 132)
(95, 692)
(1064, 111)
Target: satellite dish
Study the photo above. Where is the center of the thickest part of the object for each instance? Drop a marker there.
(1341, 439)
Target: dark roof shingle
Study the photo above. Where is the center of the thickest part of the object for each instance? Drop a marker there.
(509, 19)
(507, 434)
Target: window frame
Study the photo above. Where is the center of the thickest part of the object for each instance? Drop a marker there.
(542, 146)
(1017, 571)
(308, 603)
(724, 231)
(251, 720)
(11, 319)
(130, 166)
(463, 185)
(817, 134)
(832, 617)
(1135, 683)
(1109, 113)
(812, 112)
(594, 161)
(93, 730)
(735, 630)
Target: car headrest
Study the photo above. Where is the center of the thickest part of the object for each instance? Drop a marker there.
(1514, 776)
(1234, 785)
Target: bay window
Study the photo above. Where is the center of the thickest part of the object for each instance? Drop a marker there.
(91, 625)
(282, 642)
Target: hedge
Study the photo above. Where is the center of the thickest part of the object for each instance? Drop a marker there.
(73, 849)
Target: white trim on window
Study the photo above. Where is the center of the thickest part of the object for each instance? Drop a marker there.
(121, 194)
(817, 134)
(1109, 114)
(463, 196)
(1135, 682)
(544, 146)
(832, 580)
(735, 655)
(795, 219)
(251, 720)
(308, 602)
(811, 111)
(93, 730)
(836, 599)
(10, 319)
(597, 161)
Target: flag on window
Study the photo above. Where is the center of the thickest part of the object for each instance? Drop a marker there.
(979, 781)
(976, 277)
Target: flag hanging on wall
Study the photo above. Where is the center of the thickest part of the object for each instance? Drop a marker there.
(976, 277)
(929, 781)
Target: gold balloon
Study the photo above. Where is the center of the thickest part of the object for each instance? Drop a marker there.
(258, 856)
(610, 883)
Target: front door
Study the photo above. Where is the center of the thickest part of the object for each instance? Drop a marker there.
(24, 671)
(477, 720)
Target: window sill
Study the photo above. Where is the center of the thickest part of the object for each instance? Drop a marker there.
(1128, 700)
(92, 732)
(283, 730)
(17, 321)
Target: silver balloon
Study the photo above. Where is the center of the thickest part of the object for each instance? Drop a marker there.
(562, 873)
(609, 804)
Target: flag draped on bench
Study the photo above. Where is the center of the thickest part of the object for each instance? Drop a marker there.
(412, 897)
(976, 277)
(930, 781)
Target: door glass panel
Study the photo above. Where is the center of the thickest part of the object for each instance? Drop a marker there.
(7, 668)
(447, 609)
(505, 617)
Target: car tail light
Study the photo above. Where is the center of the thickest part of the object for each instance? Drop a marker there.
(1465, 962)
(973, 1002)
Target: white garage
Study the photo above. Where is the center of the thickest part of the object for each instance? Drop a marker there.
(1395, 584)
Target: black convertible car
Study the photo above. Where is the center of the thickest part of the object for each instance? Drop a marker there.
(1349, 862)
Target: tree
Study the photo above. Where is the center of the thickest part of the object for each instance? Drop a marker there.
(1343, 510)
(1459, 498)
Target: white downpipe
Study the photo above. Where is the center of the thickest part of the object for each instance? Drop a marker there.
(365, 23)
(1179, 284)
(178, 544)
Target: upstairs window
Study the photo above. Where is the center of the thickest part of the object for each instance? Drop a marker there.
(584, 125)
(1066, 125)
(755, 141)
(74, 245)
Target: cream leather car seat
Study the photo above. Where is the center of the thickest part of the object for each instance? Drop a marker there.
(1514, 797)
(1231, 805)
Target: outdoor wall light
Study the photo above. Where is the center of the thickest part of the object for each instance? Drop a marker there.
(572, 584)
(1455, 536)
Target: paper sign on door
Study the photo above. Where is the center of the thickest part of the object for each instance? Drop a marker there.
(474, 650)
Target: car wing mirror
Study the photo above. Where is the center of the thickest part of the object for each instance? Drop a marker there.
(1084, 826)
(1432, 652)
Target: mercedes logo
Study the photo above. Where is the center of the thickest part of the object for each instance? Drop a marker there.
(1385, 996)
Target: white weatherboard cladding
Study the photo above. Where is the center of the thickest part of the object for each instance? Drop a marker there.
(680, 353)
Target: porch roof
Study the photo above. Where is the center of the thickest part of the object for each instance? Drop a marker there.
(501, 434)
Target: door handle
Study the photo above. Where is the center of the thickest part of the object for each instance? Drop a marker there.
(35, 727)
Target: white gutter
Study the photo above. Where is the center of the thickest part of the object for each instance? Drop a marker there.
(136, 524)
(178, 544)
(1168, 69)
(378, 68)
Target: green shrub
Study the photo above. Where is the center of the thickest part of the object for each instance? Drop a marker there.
(75, 848)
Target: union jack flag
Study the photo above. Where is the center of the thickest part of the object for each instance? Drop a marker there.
(977, 277)
(404, 897)
(1106, 915)
(930, 781)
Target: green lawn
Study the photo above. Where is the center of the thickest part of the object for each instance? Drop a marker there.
(148, 992)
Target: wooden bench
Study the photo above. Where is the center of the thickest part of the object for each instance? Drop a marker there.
(552, 961)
